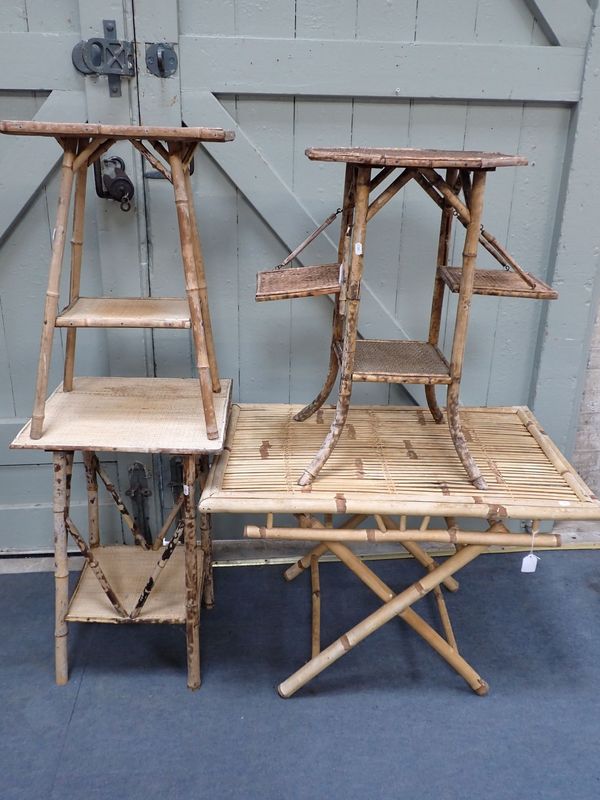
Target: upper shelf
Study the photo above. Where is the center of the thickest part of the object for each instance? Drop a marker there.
(285, 284)
(81, 129)
(125, 312)
(412, 157)
(499, 283)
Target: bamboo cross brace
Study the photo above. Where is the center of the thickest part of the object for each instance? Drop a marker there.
(91, 463)
(383, 173)
(88, 151)
(167, 523)
(377, 619)
(304, 562)
(88, 554)
(128, 519)
(162, 562)
(158, 165)
(387, 194)
(97, 154)
(160, 149)
(447, 650)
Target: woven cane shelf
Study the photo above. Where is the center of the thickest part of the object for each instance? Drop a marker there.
(409, 157)
(391, 361)
(139, 415)
(286, 284)
(125, 312)
(395, 460)
(127, 569)
(499, 283)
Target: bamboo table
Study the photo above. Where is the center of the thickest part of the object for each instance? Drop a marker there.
(403, 361)
(170, 151)
(388, 466)
(120, 583)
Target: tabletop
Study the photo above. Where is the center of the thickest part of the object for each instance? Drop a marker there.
(92, 130)
(413, 157)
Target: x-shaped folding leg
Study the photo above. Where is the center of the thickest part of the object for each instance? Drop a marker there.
(394, 605)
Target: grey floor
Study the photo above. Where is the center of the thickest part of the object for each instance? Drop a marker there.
(389, 720)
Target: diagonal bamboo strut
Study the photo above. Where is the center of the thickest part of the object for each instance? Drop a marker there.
(401, 602)
(128, 519)
(162, 561)
(88, 554)
(88, 151)
(380, 177)
(97, 154)
(388, 193)
(158, 165)
(304, 563)
(90, 461)
(167, 523)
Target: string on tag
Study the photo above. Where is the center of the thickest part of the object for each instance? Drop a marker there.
(530, 561)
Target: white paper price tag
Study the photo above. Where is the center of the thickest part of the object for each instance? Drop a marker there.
(529, 563)
(358, 248)
(186, 490)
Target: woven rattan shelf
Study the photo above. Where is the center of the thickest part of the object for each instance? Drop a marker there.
(499, 283)
(125, 312)
(286, 284)
(393, 361)
(139, 415)
(127, 569)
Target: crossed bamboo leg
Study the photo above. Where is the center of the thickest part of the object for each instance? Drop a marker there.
(394, 605)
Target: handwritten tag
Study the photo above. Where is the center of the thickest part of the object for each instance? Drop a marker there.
(529, 563)
(186, 490)
(358, 248)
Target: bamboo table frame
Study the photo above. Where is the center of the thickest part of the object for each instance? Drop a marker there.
(170, 151)
(411, 362)
(404, 483)
(121, 583)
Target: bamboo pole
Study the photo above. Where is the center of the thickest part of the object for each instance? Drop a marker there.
(88, 554)
(460, 331)
(122, 508)
(52, 292)
(61, 568)
(202, 290)
(158, 165)
(382, 199)
(374, 621)
(304, 562)
(167, 524)
(88, 150)
(383, 173)
(315, 587)
(192, 579)
(193, 293)
(99, 152)
(448, 652)
(75, 281)
(156, 573)
(339, 301)
(90, 461)
(350, 328)
(483, 538)
(385, 523)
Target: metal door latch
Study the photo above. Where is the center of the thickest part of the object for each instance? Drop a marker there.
(106, 56)
(139, 493)
(113, 182)
(161, 59)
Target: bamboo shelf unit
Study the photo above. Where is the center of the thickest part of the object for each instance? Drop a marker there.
(403, 361)
(123, 584)
(170, 151)
(396, 467)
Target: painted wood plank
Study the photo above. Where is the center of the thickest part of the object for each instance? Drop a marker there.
(567, 324)
(509, 22)
(58, 16)
(388, 69)
(565, 23)
(50, 69)
(393, 20)
(25, 163)
(456, 24)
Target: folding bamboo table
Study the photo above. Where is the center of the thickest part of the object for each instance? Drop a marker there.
(403, 361)
(396, 465)
(122, 583)
(170, 151)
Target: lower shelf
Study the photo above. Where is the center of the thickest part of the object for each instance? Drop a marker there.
(286, 284)
(499, 283)
(127, 569)
(126, 312)
(389, 361)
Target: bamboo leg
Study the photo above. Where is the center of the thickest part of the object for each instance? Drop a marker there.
(445, 649)
(193, 293)
(75, 283)
(337, 323)
(374, 621)
(192, 583)
(90, 461)
(201, 278)
(61, 568)
(316, 606)
(52, 293)
(437, 302)
(460, 330)
(122, 508)
(208, 591)
(350, 329)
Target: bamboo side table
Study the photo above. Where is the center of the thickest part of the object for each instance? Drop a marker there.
(121, 583)
(170, 151)
(403, 361)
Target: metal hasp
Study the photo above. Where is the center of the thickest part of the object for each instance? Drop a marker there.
(112, 182)
(139, 493)
(107, 56)
(161, 59)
